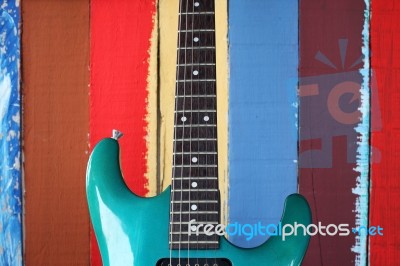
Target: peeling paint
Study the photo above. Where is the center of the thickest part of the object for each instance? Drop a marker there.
(152, 171)
(10, 160)
(363, 149)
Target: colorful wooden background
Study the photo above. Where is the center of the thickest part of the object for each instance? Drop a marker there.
(88, 67)
(10, 137)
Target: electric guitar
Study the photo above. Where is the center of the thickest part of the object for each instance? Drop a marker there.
(166, 230)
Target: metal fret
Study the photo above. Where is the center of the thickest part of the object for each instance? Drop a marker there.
(195, 80)
(195, 146)
(195, 153)
(196, 48)
(196, 139)
(212, 217)
(198, 201)
(204, 39)
(202, 207)
(195, 222)
(195, 212)
(195, 103)
(205, 166)
(197, 125)
(197, 30)
(197, 56)
(192, 233)
(195, 165)
(195, 172)
(200, 190)
(197, 132)
(201, 73)
(196, 64)
(198, 111)
(194, 178)
(201, 6)
(195, 242)
(196, 88)
(195, 96)
(197, 13)
(200, 183)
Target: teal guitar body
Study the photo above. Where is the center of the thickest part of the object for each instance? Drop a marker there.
(158, 231)
(131, 230)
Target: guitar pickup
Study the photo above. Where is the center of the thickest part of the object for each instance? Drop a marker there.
(194, 262)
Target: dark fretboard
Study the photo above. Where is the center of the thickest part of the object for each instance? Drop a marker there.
(195, 194)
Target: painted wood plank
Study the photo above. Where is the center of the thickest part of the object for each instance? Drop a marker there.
(360, 248)
(119, 62)
(330, 59)
(263, 53)
(120, 42)
(55, 73)
(385, 182)
(167, 16)
(10, 133)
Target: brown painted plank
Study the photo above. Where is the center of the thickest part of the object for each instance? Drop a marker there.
(55, 47)
(330, 53)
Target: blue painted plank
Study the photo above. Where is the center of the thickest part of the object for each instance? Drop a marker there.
(263, 41)
(10, 151)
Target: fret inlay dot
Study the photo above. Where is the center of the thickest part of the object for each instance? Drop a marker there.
(194, 207)
(194, 184)
(195, 72)
(196, 4)
(206, 118)
(196, 39)
(183, 118)
(194, 159)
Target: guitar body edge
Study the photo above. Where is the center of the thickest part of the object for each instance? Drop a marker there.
(131, 230)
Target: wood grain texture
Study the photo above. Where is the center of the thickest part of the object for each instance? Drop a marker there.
(263, 58)
(121, 32)
(385, 182)
(55, 48)
(167, 14)
(10, 137)
(330, 59)
(120, 43)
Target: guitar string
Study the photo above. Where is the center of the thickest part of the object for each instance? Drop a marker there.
(198, 122)
(183, 134)
(215, 207)
(206, 149)
(214, 128)
(206, 101)
(175, 141)
(198, 114)
(191, 126)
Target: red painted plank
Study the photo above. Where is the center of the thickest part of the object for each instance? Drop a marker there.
(330, 49)
(385, 192)
(120, 41)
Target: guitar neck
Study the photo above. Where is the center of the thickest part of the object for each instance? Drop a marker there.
(194, 194)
